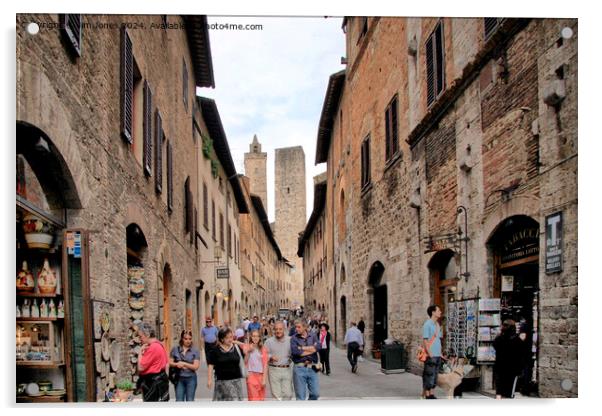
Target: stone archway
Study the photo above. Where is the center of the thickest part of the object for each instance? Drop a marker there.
(379, 303)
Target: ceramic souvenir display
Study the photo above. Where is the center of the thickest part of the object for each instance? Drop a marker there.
(47, 279)
(51, 309)
(18, 311)
(60, 312)
(43, 309)
(25, 282)
(25, 311)
(35, 310)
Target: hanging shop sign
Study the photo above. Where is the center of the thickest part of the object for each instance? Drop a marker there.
(440, 242)
(521, 244)
(554, 243)
(222, 272)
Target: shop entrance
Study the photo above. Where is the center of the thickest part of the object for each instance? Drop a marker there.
(380, 307)
(515, 249)
(443, 278)
(166, 308)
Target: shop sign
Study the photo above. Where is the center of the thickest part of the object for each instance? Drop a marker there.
(554, 243)
(521, 244)
(222, 272)
(442, 242)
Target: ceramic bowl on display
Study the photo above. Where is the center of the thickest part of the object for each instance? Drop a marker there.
(21, 389)
(137, 314)
(38, 233)
(105, 343)
(136, 285)
(32, 389)
(57, 392)
(105, 321)
(115, 355)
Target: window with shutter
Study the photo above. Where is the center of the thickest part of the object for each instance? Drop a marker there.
(491, 25)
(221, 231)
(205, 207)
(147, 130)
(169, 178)
(189, 226)
(127, 85)
(213, 220)
(185, 84)
(366, 162)
(229, 241)
(435, 64)
(196, 228)
(159, 137)
(71, 26)
(391, 133)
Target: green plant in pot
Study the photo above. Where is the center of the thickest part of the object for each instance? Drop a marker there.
(124, 387)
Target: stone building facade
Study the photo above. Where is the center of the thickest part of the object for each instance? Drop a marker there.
(312, 249)
(115, 141)
(451, 151)
(290, 200)
(266, 275)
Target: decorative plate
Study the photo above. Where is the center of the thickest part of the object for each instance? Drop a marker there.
(137, 314)
(55, 392)
(97, 355)
(136, 303)
(136, 285)
(105, 342)
(105, 321)
(115, 355)
(32, 389)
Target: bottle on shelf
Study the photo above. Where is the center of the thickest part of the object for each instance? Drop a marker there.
(60, 310)
(35, 310)
(51, 309)
(25, 310)
(43, 309)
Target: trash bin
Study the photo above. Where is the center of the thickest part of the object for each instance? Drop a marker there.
(391, 359)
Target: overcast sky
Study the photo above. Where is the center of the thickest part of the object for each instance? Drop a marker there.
(272, 82)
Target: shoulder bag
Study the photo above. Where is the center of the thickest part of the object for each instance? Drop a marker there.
(241, 363)
(422, 354)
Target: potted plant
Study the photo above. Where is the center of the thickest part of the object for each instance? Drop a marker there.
(124, 388)
(376, 351)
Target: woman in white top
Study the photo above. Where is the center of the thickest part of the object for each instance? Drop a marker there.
(256, 362)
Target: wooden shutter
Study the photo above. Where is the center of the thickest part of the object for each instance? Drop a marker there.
(491, 25)
(189, 206)
(127, 85)
(158, 153)
(221, 230)
(213, 219)
(147, 130)
(388, 133)
(196, 228)
(169, 177)
(394, 128)
(205, 207)
(430, 71)
(71, 25)
(435, 64)
(185, 84)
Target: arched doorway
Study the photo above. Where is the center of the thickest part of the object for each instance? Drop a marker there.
(443, 278)
(166, 307)
(379, 302)
(514, 252)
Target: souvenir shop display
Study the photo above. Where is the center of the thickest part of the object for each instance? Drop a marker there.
(461, 328)
(489, 326)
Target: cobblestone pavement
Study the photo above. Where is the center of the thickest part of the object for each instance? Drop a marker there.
(368, 383)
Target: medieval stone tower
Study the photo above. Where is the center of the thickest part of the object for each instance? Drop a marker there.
(290, 198)
(255, 170)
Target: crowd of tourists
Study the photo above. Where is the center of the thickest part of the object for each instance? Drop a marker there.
(286, 355)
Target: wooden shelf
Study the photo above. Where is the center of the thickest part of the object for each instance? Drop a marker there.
(39, 319)
(41, 399)
(41, 364)
(37, 295)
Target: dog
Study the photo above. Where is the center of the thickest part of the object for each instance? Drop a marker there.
(449, 381)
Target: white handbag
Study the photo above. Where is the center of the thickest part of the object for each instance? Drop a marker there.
(241, 363)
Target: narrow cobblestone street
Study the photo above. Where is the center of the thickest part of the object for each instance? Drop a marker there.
(368, 383)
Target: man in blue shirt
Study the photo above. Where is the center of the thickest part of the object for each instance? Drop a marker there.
(431, 341)
(304, 353)
(255, 325)
(209, 336)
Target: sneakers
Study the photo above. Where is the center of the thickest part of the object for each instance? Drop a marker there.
(354, 368)
(430, 397)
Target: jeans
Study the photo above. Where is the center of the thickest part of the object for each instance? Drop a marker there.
(353, 350)
(304, 379)
(185, 389)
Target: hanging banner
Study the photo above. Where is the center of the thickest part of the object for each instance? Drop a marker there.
(554, 243)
